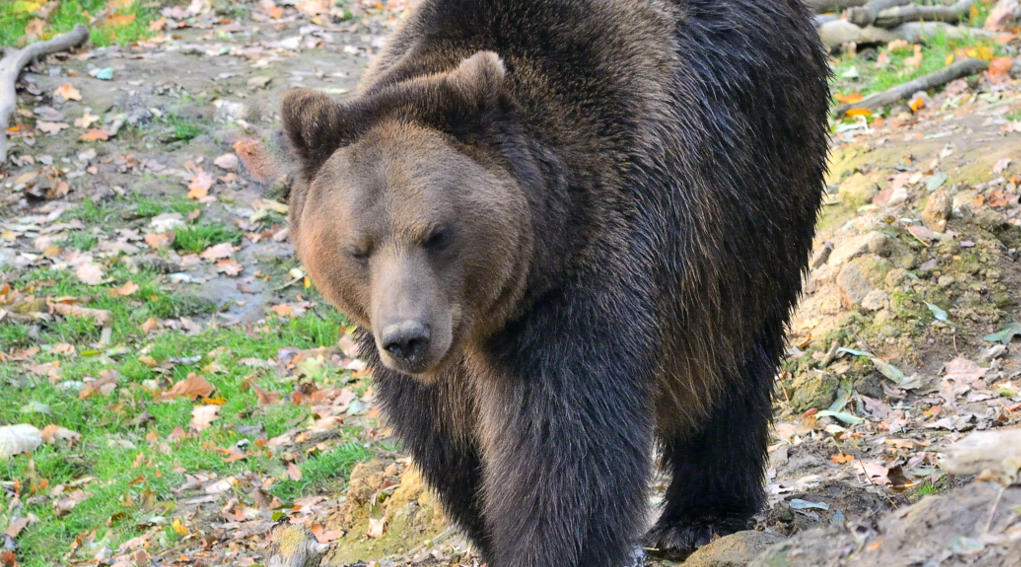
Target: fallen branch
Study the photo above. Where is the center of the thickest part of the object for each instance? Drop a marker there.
(12, 64)
(866, 15)
(824, 6)
(839, 32)
(914, 13)
(959, 69)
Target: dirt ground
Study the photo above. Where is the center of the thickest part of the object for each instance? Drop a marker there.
(894, 353)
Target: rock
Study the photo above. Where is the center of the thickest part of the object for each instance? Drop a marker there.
(992, 353)
(875, 300)
(859, 278)
(858, 190)
(966, 526)
(895, 277)
(294, 545)
(1005, 16)
(813, 390)
(259, 82)
(847, 250)
(734, 550)
(878, 243)
(998, 450)
(937, 210)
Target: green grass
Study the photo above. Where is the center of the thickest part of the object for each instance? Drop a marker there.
(90, 213)
(149, 207)
(201, 236)
(79, 241)
(14, 15)
(182, 129)
(118, 501)
(871, 79)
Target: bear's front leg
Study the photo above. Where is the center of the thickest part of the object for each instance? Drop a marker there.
(566, 434)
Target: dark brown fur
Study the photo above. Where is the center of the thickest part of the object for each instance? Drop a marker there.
(599, 213)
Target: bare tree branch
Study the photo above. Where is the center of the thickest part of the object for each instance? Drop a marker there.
(11, 65)
(955, 71)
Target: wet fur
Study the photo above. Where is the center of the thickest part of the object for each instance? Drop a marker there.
(667, 158)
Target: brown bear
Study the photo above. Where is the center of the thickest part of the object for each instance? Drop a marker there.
(571, 229)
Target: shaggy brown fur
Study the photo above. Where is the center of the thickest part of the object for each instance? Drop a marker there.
(568, 228)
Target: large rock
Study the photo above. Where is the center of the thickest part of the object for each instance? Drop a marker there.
(975, 525)
(734, 550)
(859, 189)
(937, 210)
(859, 278)
(997, 451)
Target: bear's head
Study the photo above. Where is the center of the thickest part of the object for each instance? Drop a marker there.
(405, 212)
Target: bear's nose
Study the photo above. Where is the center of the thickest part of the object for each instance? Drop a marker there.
(406, 340)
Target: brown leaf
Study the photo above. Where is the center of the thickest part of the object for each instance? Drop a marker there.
(90, 274)
(102, 317)
(217, 251)
(53, 433)
(150, 325)
(95, 134)
(67, 92)
(227, 161)
(203, 416)
(51, 127)
(15, 526)
(376, 528)
(229, 267)
(161, 240)
(199, 186)
(125, 290)
(193, 386)
(293, 472)
(118, 20)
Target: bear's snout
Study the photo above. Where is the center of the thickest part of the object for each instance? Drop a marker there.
(406, 341)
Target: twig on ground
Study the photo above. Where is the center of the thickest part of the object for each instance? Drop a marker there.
(866, 15)
(11, 65)
(824, 6)
(915, 13)
(955, 71)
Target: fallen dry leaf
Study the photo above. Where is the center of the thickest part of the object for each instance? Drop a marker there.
(193, 386)
(376, 528)
(126, 289)
(1001, 165)
(203, 416)
(229, 267)
(67, 92)
(19, 438)
(293, 472)
(53, 433)
(160, 240)
(150, 325)
(95, 134)
(51, 127)
(199, 186)
(90, 274)
(217, 251)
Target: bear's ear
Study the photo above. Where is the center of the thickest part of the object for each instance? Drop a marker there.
(478, 80)
(315, 126)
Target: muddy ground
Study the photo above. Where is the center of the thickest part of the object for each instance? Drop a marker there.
(893, 355)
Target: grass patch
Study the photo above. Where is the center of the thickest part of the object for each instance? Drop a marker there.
(90, 213)
(136, 468)
(181, 129)
(877, 70)
(124, 25)
(149, 207)
(201, 236)
(79, 241)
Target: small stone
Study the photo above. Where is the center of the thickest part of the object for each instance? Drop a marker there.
(937, 210)
(848, 250)
(896, 277)
(259, 82)
(858, 190)
(860, 277)
(945, 281)
(992, 353)
(875, 300)
(734, 550)
(813, 390)
(878, 243)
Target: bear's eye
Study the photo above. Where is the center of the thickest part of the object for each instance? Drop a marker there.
(361, 255)
(438, 240)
